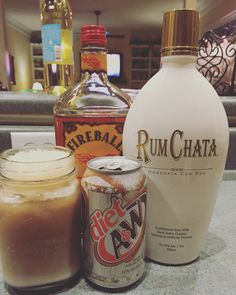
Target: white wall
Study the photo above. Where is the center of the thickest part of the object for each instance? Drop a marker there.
(3, 47)
(18, 44)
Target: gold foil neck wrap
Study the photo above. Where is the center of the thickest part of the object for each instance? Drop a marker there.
(180, 32)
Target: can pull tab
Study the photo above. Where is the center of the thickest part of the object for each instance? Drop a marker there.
(115, 164)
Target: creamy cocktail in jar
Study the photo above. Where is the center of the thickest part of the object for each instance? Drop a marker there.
(39, 218)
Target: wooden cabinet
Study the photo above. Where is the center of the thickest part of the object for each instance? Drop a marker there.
(145, 62)
(37, 62)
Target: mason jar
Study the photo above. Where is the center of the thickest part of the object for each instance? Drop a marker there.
(40, 233)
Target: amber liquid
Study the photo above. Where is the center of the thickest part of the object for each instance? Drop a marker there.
(63, 75)
(90, 137)
(59, 73)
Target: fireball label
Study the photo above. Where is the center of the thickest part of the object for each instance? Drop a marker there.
(93, 62)
(89, 138)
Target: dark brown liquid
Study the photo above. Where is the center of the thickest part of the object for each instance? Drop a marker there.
(40, 241)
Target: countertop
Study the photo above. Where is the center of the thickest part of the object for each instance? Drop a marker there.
(215, 271)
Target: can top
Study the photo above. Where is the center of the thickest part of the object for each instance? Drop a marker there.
(114, 165)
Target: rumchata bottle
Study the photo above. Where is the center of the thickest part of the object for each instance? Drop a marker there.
(178, 128)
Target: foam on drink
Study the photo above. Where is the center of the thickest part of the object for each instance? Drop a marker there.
(36, 163)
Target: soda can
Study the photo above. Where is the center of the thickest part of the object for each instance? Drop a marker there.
(114, 189)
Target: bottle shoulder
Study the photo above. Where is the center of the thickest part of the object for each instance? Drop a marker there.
(169, 96)
(93, 94)
(179, 83)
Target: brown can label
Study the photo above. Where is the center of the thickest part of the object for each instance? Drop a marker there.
(114, 232)
(118, 231)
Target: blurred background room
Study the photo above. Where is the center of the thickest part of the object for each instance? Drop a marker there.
(134, 39)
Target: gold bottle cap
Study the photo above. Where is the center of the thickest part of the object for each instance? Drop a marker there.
(180, 32)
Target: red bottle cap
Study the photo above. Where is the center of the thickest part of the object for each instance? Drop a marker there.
(93, 35)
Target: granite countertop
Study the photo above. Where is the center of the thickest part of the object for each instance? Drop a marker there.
(215, 271)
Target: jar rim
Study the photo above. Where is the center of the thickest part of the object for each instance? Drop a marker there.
(36, 162)
(34, 146)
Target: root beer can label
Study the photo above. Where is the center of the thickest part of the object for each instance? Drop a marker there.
(114, 239)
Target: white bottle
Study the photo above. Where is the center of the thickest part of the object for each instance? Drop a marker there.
(178, 127)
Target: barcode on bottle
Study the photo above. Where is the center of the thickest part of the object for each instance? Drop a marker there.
(58, 52)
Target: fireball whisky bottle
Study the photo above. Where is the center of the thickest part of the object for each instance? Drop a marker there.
(89, 118)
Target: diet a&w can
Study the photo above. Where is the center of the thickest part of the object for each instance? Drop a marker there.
(114, 189)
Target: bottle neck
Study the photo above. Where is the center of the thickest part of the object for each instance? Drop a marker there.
(188, 61)
(94, 60)
(56, 12)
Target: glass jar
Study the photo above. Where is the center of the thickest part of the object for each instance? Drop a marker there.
(40, 239)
